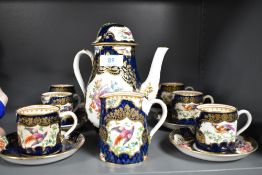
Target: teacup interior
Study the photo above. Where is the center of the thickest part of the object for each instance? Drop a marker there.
(61, 85)
(56, 94)
(188, 93)
(37, 110)
(216, 108)
(172, 84)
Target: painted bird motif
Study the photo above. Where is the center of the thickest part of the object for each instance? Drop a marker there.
(223, 128)
(35, 136)
(124, 134)
(127, 33)
(189, 106)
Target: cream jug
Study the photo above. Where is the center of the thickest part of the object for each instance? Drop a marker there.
(124, 134)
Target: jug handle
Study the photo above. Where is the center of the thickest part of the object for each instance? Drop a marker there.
(162, 118)
(77, 70)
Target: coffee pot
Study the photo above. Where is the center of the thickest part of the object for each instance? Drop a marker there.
(114, 68)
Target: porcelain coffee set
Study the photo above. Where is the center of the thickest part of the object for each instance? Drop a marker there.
(118, 104)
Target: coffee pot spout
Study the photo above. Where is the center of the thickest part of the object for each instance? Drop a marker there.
(150, 86)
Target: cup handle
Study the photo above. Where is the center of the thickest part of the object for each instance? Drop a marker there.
(77, 98)
(210, 97)
(77, 70)
(73, 127)
(249, 120)
(189, 88)
(162, 118)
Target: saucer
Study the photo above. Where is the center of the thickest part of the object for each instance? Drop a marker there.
(185, 143)
(69, 147)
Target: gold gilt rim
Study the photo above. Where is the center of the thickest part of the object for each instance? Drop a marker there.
(114, 43)
(253, 142)
(131, 94)
(206, 107)
(51, 109)
(172, 84)
(61, 85)
(52, 94)
(46, 156)
(187, 93)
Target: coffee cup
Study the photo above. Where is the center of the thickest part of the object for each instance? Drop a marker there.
(167, 89)
(63, 100)
(39, 129)
(216, 127)
(184, 106)
(66, 88)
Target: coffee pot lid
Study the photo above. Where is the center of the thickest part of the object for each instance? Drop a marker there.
(112, 34)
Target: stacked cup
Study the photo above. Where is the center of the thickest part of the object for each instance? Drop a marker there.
(64, 97)
(166, 93)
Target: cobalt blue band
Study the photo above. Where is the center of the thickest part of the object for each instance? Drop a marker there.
(217, 148)
(39, 151)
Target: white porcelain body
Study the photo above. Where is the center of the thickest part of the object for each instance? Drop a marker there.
(102, 83)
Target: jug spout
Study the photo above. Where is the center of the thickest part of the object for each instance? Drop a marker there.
(150, 86)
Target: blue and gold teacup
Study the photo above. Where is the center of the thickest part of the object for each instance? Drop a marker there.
(39, 129)
(167, 89)
(63, 100)
(166, 93)
(66, 88)
(216, 127)
(185, 106)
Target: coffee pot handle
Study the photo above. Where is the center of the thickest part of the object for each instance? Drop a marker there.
(77, 70)
(162, 118)
(73, 127)
(249, 120)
